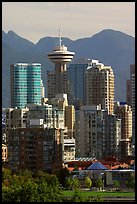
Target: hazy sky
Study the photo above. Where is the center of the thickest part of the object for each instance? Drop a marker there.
(35, 20)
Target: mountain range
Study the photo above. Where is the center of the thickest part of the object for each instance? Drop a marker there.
(112, 48)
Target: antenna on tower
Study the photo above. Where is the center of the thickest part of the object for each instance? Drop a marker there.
(59, 38)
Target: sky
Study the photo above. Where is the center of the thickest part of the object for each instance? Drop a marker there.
(36, 20)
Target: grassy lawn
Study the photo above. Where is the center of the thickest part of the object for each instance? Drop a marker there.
(101, 194)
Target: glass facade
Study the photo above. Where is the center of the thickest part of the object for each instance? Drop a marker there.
(76, 77)
(26, 84)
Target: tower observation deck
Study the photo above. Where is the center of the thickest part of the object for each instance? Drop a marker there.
(60, 57)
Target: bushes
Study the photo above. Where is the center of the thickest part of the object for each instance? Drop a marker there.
(131, 182)
(87, 182)
(72, 183)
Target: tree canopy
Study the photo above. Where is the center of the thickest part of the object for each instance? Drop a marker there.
(28, 187)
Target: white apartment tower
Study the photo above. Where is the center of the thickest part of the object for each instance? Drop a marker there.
(100, 86)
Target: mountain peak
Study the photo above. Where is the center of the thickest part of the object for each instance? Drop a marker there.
(112, 32)
(11, 32)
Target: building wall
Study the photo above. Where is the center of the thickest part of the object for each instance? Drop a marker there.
(89, 132)
(124, 112)
(70, 120)
(69, 149)
(128, 90)
(118, 175)
(97, 133)
(51, 84)
(16, 118)
(35, 148)
(112, 127)
(131, 98)
(133, 105)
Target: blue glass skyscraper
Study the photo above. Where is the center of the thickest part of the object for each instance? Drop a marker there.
(77, 82)
(25, 84)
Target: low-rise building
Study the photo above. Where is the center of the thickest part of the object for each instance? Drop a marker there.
(69, 149)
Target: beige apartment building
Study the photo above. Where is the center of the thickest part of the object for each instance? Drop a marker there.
(70, 120)
(124, 112)
(100, 86)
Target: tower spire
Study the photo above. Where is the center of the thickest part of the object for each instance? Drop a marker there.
(59, 38)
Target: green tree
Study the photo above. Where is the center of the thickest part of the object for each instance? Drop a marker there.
(87, 182)
(69, 183)
(131, 182)
(76, 183)
(6, 174)
(23, 188)
(116, 184)
(72, 183)
(62, 174)
(99, 183)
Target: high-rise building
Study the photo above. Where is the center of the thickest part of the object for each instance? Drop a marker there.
(57, 80)
(97, 133)
(26, 84)
(131, 98)
(130, 90)
(4, 138)
(35, 148)
(124, 112)
(76, 77)
(112, 136)
(100, 86)
(70, 120)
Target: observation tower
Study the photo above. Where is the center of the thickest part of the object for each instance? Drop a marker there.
(60, 57)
